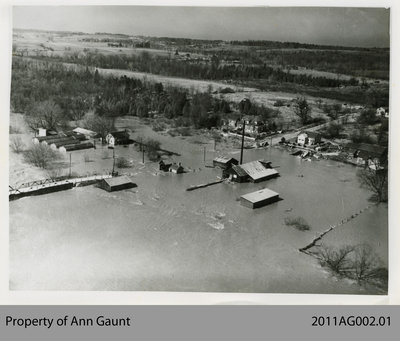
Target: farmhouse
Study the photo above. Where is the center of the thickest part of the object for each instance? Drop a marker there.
(308, 138)
(224, 162)
(117, 183)
(259, 198)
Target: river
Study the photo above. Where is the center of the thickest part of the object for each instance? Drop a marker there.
(159, 237)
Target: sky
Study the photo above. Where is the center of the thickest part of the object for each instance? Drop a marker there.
(365, 27)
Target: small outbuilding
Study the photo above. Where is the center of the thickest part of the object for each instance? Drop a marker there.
(259, 198)
(176, 168)
(224, 162)
(117, 183)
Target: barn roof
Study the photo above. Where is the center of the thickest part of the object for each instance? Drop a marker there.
(256, 170)
(118, 180)
(259, 195)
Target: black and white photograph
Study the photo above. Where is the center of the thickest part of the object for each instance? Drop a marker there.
(199, 149)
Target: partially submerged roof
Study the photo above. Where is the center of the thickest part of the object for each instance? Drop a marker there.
(260, 195)
(118, 180)
(256, 170)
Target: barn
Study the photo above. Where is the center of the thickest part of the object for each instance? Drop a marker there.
(117, 183)
(259, 198)
(258, 172)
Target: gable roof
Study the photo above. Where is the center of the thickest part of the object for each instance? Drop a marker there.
(256, 170)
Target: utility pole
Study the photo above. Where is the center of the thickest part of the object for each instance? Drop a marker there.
(143, 155)
(70, 164)
(113, 162)
(241, 150)
(204, 154)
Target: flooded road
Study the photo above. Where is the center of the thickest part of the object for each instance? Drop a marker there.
(160, 237)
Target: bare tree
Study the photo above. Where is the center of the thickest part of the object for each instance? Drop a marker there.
(374, 180)
(101, 125)
(152, 147)
(302, 109)
(45, 114)
(16, 144)
(357, 262)
(42, 156)
(336, 259)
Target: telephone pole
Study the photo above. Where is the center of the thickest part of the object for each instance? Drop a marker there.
(70, 163)
(113, 162)
(241, 150)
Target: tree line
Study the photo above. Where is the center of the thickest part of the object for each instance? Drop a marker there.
(213, 70)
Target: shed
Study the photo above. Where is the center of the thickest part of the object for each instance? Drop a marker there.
(176, 168)
(117, 183)
(259, 198)
(224, 162)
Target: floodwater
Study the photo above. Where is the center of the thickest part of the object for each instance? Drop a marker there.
(159, 237)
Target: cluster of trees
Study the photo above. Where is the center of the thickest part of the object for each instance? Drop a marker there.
(50, 93)
(215, 70)
(293, 45)
(372, 63)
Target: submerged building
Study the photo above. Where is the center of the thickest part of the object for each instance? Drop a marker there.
(259, 198)
(117, 183)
